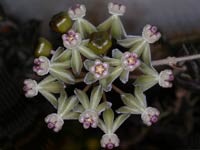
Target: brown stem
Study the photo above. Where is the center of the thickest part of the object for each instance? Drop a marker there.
(87, 88)
(116, 89)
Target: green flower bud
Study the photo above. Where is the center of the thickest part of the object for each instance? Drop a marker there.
(100, 42)
(43, 48)
(61, 22)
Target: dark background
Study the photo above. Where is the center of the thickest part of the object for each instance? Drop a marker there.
(21, 120)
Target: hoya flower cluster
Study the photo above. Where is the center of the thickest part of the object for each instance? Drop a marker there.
(89, 55)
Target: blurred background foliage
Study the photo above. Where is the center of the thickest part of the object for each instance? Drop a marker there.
(21, 120)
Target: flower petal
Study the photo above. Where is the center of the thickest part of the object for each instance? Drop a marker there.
(62, 74)
(88, 64)
(88, 27)
(102, 126)
(124, 76)
(112, 61)
(147, 69)
(88, 53)
(83, 98)
(130, 41)
(116, 53)
(70, 103)
(119, 121)
(76, 62)
(61, 101)
(108, 117)
(95, 97)
(131, 101)
(61, 55)
(50, 97)
(141, 98)
(146, 55)
(117, 28)
(71, 116)
(89, 78)
(145, 82)
(106, 25)
(128, 110)
(112, 76)
(103, 106)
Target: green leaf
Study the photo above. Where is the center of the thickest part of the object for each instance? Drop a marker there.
(83, 98)
(76, 62)
(119, 121)
(124, 76)
(116, 53)
(95, 97)
(50, 97)
(89, 78)
(108, 117)
(87, 52)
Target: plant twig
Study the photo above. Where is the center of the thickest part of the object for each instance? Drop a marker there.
(104, 97)
(174, 60)
(87, 88)
(79, 80)
(116, 89)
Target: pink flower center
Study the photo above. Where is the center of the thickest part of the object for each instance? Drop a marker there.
(154, 119)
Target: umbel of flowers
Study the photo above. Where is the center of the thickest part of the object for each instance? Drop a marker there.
(88, 56)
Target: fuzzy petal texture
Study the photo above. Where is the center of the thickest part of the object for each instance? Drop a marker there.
(145, 82)
(116, 53)
(95, 97)
(88, 64)
(108, 117)
(128, 110)
(87, 52)
(103, 106)
(76, 62)
(50, 97)
(117, 29)
(115, 73)
(89, 78)
(119, 121)
(83, 98)
(62, 74)
(124, 76)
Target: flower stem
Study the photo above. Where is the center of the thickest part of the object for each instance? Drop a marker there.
(79, 80)
(116, 89)
(87, 88)
(104, 97)
(174, 60)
